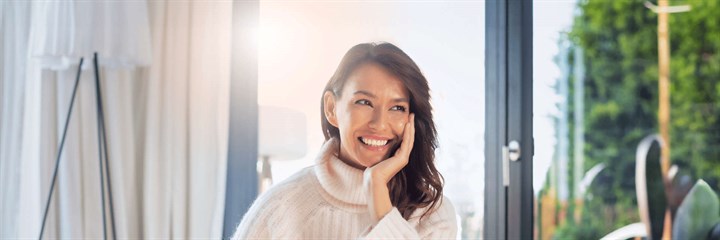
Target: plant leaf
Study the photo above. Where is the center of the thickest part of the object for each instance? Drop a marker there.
(697, 214)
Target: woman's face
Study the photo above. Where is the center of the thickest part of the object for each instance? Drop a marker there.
(370, 115)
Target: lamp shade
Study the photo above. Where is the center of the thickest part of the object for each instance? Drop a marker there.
(283, 133)
(63, 31)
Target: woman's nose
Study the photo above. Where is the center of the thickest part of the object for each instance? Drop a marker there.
(378, 121)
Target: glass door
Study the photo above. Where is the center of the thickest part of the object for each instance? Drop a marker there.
(627, 104)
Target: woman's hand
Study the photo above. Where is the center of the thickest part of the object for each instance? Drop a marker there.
(385, 170)
(377, 177)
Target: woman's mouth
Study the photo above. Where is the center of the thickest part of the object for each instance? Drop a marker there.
(375, 144)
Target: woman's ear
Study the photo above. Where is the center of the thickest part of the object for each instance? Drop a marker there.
(329, 100)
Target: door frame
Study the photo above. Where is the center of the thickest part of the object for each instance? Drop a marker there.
(508, 93)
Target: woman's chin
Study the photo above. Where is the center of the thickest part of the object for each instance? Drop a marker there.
(368, 156)
(369, 161)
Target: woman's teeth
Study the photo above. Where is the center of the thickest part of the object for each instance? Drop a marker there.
(373, 142)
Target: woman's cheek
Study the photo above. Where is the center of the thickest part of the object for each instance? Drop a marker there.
(354, 116)
(399, 123)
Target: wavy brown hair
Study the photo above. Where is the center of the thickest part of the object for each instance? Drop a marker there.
(418, 184)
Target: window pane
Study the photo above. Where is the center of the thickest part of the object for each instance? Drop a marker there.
(301, 43)
(598, 93)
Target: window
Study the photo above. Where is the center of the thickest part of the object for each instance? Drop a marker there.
(599, 93)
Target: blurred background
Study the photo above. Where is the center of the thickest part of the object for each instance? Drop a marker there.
(604, 63)
(164, 69)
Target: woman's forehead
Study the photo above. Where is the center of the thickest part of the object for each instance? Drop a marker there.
(376, 81)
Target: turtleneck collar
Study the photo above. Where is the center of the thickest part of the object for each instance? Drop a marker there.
(340, 180)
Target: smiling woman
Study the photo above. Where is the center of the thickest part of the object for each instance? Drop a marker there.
(375, 176)
(373, 109)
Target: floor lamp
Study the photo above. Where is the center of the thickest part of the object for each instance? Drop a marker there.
(102, 152)
(283, 135)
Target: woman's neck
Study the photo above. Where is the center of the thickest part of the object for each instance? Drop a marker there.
(351, 163)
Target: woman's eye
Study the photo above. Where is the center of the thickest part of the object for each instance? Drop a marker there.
(398, 108)
(363, 102)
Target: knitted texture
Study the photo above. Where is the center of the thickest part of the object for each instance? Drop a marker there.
(328, 201)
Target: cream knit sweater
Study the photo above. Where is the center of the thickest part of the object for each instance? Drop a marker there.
(327, 201)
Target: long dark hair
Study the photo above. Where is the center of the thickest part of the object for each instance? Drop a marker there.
(418, 184)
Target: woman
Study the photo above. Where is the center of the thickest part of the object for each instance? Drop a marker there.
(375, 176)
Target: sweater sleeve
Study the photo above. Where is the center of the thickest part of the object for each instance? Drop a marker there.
(440, 224)
(255, 223)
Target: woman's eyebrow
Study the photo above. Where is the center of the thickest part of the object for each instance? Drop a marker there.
(369, 94)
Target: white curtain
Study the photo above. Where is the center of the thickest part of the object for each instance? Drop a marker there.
(187, 119)
(14, 22)
(165, 80)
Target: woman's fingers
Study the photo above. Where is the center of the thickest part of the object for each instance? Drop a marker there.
(412, 132)
(410, 135)
(408, 138)
(385, 170)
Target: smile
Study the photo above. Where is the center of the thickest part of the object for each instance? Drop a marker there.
(374, 142)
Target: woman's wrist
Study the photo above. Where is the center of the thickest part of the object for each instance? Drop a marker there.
(381, 204)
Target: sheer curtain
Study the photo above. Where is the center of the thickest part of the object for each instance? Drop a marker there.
(14, 22)
(165, 80)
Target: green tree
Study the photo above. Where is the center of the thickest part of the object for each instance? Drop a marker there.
(619, 39)
(695, 90)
